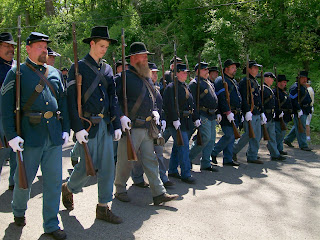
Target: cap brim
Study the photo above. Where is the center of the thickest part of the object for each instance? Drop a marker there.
(147, 52)
(257, 65)
(88, 40)
(10, 42)
(39, 40)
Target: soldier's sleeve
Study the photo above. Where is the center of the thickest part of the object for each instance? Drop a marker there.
(63, 107)
(8, 94)
(243, 92)
(114, 104)
(276, 105)
(223, 106)
(193, 89)
(118, 82)
(168, 103)
(75, 121)
(293, 94)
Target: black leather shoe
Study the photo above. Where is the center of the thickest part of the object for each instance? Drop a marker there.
(306, 149)
(74, 162)
(58, 234)
(255, 161)
(234, 157)
(141, 184)
(174, 175)
(211, 169)
(168, 183)
(189, 180)
(289, 144)
(67, 197)
(214, 159)
(20, 221)
(105, 214)
(123, 197)
(232, 163)
(165, 197)
(279, 158)
(283, 153)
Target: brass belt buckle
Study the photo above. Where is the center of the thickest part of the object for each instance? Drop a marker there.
(148, 119)
(48, 114)
(101, 115)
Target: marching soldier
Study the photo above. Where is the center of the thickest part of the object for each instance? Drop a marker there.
(168, 75)
(6, 63)
(180, 154)
(226, 142)
(283, 109)
(213, 73)
(51, 59)
(208, 106)
(301, 101)
(100, 107)
(269, 106)
(142, 108)
(43, 106)
(64, 72)
(254, 116)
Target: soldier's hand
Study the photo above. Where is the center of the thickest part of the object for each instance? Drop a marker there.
(82, 136)
(281, 114)
(156, 117)
(300, 113)
(219, 118)
(263, 119)
(65, 137)
(176, 124)
(242, 118)
(197, 123)
(248, 116)
(125, 123)
(163, 125)
(117, 135)
(16, 144)
(230, 117)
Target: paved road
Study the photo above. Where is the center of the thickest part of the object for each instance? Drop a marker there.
(270, 201)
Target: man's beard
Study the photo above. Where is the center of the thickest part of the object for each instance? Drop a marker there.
(143, 69)
(285, 89)
(42, 58)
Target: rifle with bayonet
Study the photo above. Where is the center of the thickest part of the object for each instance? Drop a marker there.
(225, 85)
(131, 153)
(199, 136)
(264, 127)
(114, 69)
(300, 126)
(23, 183)
(176, 102)
(249, 99)
(89, 164)
(187, 63)
(282, 123)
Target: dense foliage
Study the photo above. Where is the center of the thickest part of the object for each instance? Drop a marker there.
(285, 33)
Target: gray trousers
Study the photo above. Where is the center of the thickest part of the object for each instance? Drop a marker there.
(142, 142)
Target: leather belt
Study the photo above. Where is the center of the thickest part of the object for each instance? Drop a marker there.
(147, 119)
(46, 115)
(87, 115)
(208, 110)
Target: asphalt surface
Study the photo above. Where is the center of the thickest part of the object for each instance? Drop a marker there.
(276, 200)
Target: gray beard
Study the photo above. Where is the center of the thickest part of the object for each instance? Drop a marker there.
(143, 70)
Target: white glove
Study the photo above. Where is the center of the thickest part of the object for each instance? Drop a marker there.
(82, 136)
(274, 115)
(197, 123)
(248, 116)
(16, 144)
(300, 113)
(230, 117)
(117, 134)
(263, 119)
(65, 137)
(281, 115)
(176, 124)
(125, 123)
(156, 117)
(163, 125)
(242, 118)
(219, 118)
(312, 110)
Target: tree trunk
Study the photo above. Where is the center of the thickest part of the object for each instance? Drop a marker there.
(49, 7)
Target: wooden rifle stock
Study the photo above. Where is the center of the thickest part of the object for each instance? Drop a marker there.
(131, 153)
(164, 82)
(249, 96)
(266, 136)
(176, 100)
(199, 136)
(225, 85)
(90, 170)
(282, 123)
(300, 126)
(23, 182)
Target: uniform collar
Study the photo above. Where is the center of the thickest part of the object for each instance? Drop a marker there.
(92, 61)
(2, 61)
(36, 66)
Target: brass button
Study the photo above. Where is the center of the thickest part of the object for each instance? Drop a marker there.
(101, 99)
(40, 69)
(47, 121)
(47, 103)
(100, 84)
(99, 69)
